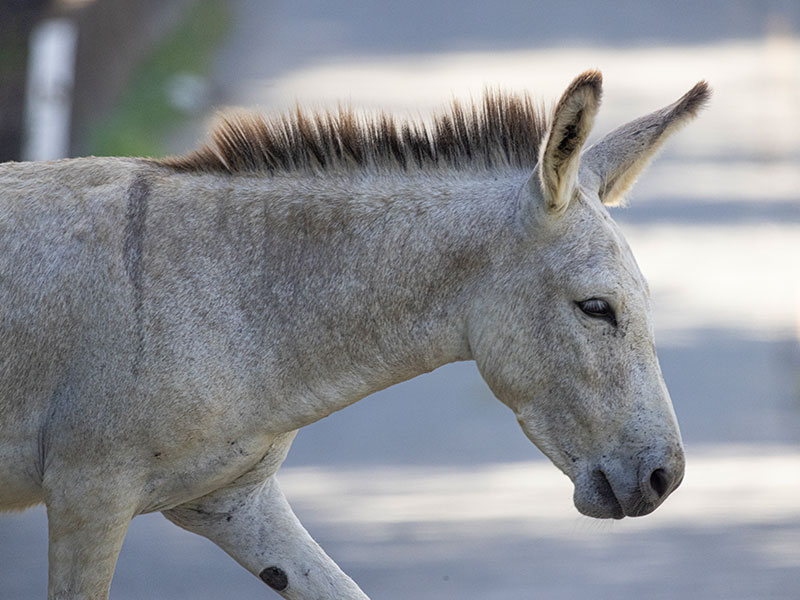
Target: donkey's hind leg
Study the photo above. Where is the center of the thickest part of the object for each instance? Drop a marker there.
(256, 526)
(85, 536)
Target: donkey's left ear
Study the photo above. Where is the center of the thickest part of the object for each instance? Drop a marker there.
(612, 165)
(560, 154)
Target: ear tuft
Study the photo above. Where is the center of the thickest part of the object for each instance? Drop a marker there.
(591, 79)
(691, 102)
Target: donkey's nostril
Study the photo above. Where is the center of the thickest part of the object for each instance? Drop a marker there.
(659, 482)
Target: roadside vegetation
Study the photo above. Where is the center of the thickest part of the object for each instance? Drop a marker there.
(151, 108)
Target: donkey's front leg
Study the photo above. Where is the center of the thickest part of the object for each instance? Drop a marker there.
(256, 526)
(85, 536)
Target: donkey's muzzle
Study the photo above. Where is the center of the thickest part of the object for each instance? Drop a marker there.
(615, 490)
(653, 490)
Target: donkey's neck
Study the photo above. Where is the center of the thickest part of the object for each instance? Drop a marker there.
(366, 281)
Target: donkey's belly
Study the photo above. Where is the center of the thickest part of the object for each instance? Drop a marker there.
(24, 394)
(20, 476)
(18, 489)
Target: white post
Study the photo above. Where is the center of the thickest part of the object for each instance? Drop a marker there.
(48, 104)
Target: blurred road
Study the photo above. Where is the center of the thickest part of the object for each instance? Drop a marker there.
(429, 489)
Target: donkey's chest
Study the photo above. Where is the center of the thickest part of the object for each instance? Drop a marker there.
(190, 475)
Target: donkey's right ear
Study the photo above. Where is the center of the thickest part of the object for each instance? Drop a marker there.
(556, 174)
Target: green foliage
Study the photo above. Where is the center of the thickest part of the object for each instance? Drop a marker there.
(139, 126)
(13, 56)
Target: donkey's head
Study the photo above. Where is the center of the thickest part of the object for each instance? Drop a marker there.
(563, 333)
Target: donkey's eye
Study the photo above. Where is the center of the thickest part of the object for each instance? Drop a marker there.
(598, 309)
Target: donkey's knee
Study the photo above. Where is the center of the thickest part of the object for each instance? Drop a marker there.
(256, 526)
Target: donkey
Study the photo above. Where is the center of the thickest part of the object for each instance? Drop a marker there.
(168, 325)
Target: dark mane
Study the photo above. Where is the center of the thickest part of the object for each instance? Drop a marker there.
(500, 131)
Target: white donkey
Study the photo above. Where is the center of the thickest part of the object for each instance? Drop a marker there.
(168, 325)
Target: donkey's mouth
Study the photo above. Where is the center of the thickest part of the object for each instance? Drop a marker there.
(596, 498)
(605, 490)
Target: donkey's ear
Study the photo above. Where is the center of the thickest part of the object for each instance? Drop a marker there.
(559, 157)
(612, 165)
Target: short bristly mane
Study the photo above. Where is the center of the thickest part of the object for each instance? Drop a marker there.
(501, 131)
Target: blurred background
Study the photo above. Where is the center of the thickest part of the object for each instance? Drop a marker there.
(429, 489)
